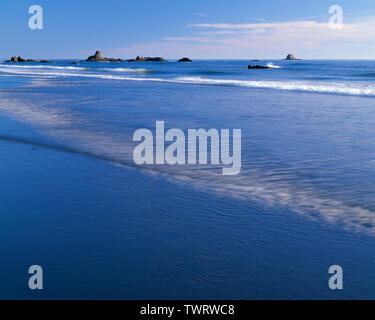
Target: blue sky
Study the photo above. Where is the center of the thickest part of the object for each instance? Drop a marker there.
(196, 28)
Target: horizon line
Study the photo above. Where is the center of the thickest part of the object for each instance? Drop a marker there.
(212, 59)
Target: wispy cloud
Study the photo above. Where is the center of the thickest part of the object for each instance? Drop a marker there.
(307, 39)
(294, 25)
(200, 14)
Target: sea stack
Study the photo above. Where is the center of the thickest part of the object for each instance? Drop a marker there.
(98, 57)
(185, 60)
(17, 59)
(291, 56)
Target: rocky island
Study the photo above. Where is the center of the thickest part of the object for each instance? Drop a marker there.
(185, 60)
(20, 59)
(258, 67)
(291, 57)
(147, 59)
(98, 57)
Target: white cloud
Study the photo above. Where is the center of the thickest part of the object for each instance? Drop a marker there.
(307, 39)
(200, 14)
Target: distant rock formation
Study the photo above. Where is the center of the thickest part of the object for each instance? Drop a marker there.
(147, 59)
(98, 57)
(16, 59)
(20, 59)
(258, 67)
(291, 57)
(185, 60)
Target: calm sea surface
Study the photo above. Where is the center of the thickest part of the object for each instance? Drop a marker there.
(72, 201)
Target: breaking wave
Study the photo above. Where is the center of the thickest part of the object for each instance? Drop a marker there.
(336, 88)
(358, 89)
(128, 70)
(273, 66)
(43, 67)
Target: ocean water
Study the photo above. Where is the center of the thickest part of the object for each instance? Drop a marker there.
(73, 201)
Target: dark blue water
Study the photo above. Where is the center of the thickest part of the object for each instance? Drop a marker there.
(73, 202)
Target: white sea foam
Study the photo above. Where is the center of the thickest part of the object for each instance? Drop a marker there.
(338, 88)
(41, 67)
(273, 66)
(254, 186)
(139, 70)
